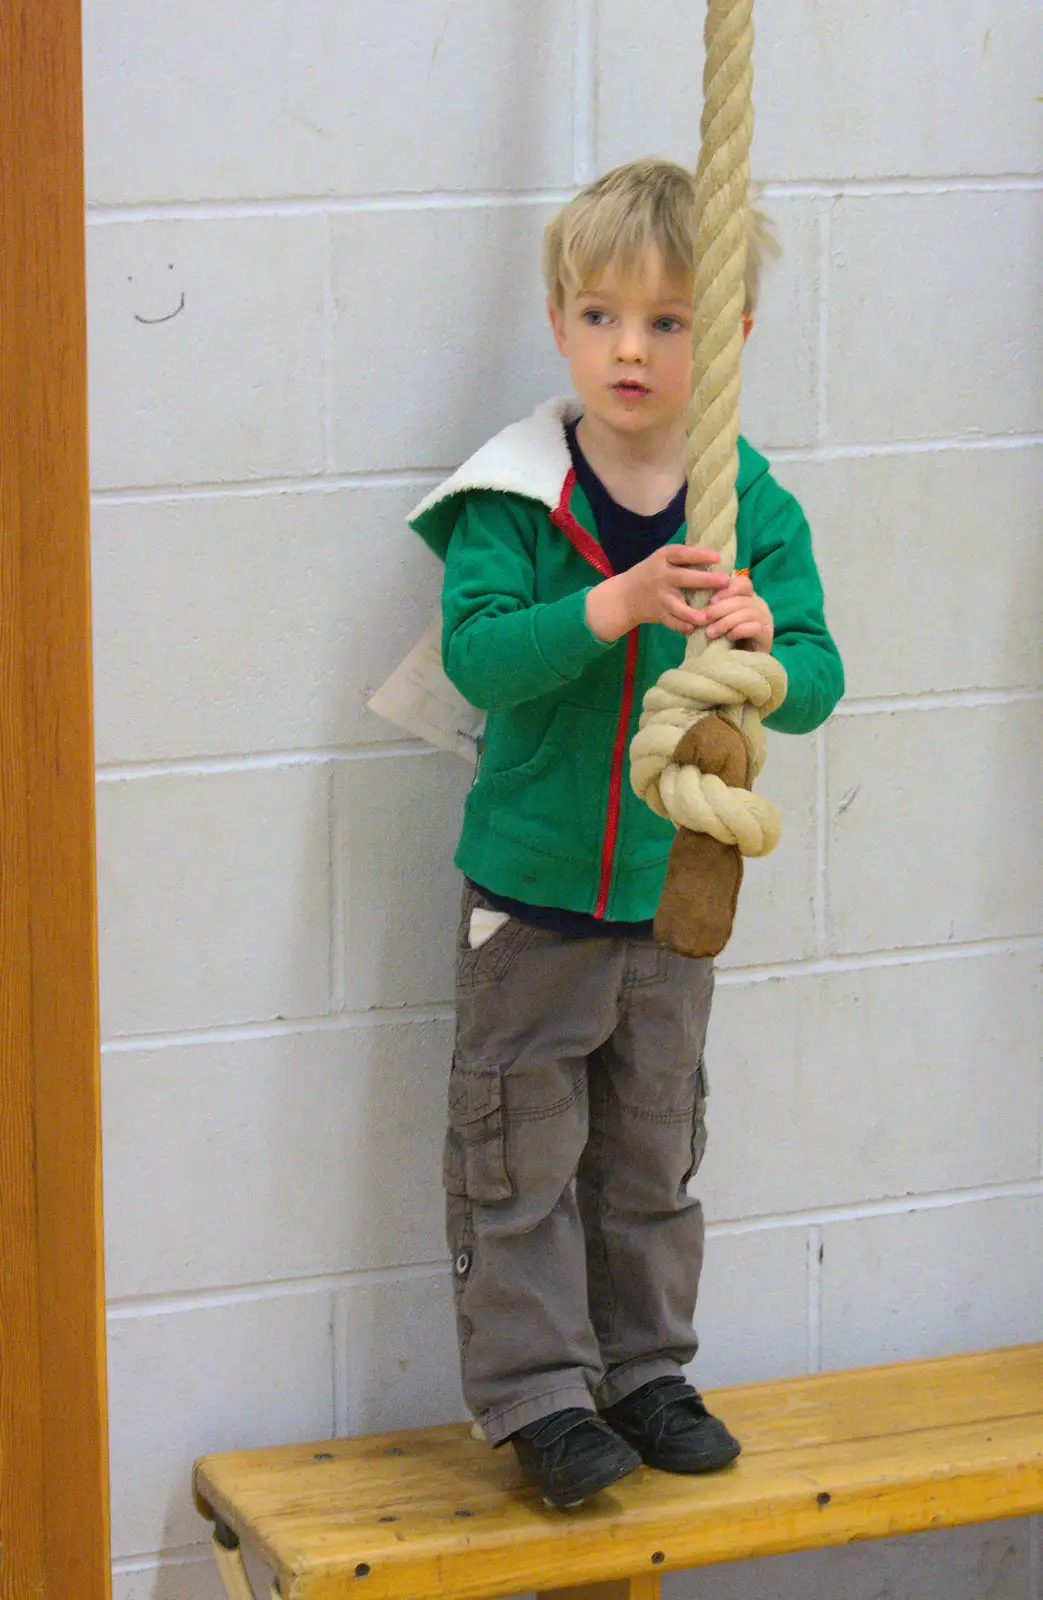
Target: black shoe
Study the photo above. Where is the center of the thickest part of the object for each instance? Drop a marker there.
(670, 1428)
(572, 1454)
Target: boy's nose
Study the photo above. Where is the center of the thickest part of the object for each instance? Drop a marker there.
(632, 344)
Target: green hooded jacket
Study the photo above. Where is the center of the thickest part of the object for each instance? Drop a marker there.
(551, 818)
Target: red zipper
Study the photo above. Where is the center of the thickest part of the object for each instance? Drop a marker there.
(591, 551)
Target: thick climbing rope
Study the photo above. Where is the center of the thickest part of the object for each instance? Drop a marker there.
(740, 685)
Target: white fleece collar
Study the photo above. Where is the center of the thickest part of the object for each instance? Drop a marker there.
(530, 458)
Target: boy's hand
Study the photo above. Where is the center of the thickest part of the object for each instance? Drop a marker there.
(654, 591)
(738, 614)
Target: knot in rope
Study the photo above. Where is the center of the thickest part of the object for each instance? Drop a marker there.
(744, 686)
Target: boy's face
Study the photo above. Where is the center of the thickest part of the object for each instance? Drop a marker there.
(628, 343)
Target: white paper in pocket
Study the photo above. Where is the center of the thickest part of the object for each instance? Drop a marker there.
(483, 925)
(419, 699)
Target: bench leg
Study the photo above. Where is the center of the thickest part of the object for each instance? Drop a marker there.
(231, 1567)
(645, 1587)
(233, 1571)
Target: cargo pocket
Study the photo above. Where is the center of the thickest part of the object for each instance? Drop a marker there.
(475, 1163)
(702, 1089)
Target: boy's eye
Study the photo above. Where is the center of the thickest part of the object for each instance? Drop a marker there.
(667, 324)
(595, 318)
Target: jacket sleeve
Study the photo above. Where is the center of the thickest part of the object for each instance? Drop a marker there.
(784, 573)
(500, 646)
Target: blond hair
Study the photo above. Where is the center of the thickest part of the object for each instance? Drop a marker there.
(616, 219)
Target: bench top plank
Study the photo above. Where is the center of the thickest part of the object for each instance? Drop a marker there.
(432, 1514)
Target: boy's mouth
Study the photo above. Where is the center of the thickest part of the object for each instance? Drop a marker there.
(630, 389)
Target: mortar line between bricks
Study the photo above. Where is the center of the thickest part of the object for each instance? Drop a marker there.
(392, 1016)
(328, 322)
(825, 284)
(821, 891)
(335, 953)
(124, 1308)
(942, 700)
(815, 1298)
(585, 89)
(423, 478)
(873, 960)
(251, 1032)
(196, 766)
(183, 1555)
(136, 1307)
(106, 216)
(870, 188)
(869, 450)
(341, 1420)
(100, 214)
(888, 1206)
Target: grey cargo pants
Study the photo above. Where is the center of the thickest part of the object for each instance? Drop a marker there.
(577, 1102)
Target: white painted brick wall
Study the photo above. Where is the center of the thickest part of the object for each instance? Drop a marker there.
(906, 269)
(229, 386)
(261, 102)
(333, 1135)
(861, 93)
(957, 527)
(932, 830)
(439, 333)
(782, 376)
(351, 211)
(931, 1282)
(188, 1379)
(878, 1083)
(231, 624)
(214, 897)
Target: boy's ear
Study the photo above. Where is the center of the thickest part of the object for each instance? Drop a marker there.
(557, 322)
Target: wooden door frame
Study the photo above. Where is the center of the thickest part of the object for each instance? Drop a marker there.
(54, 1513)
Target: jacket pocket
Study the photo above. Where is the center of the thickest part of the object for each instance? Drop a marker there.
(556, 801)
(475, 1158)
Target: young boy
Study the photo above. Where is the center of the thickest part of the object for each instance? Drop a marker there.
(577, 1093)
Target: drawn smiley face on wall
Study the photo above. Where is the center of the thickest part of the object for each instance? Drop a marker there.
(159, 292)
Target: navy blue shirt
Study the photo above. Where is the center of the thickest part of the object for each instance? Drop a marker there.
(626, 537)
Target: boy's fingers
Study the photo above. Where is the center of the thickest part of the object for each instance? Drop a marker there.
(683, 616)
(685, 578)
(727, 603)
(687, 555)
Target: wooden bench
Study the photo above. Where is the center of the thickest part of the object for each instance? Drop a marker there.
(434, 1515)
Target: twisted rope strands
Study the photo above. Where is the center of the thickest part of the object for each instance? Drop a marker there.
(742, 685)
(722, 185)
